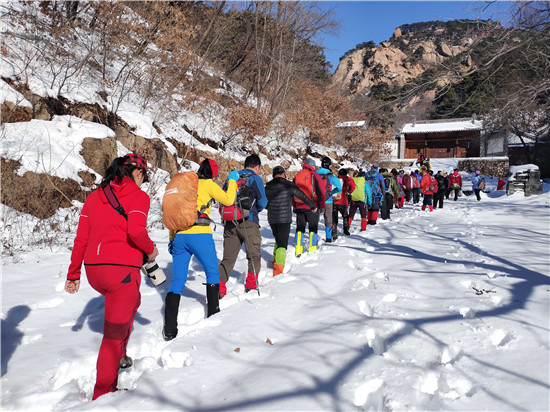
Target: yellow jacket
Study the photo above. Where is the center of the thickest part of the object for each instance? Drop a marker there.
(208, 189)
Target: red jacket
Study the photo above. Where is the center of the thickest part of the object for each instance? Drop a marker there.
(318, 187)
(347, 188)
(425, 184)
(455, 178)
(407, 181)
(104, 237)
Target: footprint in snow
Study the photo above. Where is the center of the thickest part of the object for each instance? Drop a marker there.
(428, 383)
(365, 308)
(500, 337)
(467, 313)
(375, 342)
(382, 275)
(174, 359)
(28, 339)
(450, 354)
(370, 395)
(390, 297)
(370, 249)
(456, 387)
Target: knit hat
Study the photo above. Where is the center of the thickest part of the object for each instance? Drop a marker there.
(374, 167)
(137, 161)
(326, 162)
(278, 170)
(424, 168)
(310, 162)
(214, 167)
(478, 172)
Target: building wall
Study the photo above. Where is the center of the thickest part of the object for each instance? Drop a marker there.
(443, 144)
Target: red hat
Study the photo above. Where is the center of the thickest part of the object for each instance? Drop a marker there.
(137, 161)
(214, 167)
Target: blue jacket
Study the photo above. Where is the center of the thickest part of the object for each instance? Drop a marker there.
(376, 184)
(334, 181)
(475, 182)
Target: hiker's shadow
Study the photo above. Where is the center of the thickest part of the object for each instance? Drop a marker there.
(94, 315)
(11, 335)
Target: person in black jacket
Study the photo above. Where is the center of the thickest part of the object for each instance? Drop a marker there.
(442, 183)
(279, 193)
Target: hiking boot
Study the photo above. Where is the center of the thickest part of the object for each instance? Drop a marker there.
(125, 362)
(346, 232)
(168, 336)
(171, 307)
(212, 299)
(328, 240)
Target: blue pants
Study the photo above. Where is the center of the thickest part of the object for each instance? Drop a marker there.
(186, 245)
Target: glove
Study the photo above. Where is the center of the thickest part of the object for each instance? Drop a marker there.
(233, 175)
(170, 246)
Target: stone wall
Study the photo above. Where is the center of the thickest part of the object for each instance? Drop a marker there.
(397, 164)
(488, 166)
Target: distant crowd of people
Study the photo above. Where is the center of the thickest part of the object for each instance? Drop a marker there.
(113, 243)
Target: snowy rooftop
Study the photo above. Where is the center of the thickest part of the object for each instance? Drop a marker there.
(359, 123)
(439, 126)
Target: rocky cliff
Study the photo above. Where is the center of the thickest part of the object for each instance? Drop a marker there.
(409, 53)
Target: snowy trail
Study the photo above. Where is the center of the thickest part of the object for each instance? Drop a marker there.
(422, 302)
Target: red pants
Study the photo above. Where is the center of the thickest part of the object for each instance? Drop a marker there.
(120, 286)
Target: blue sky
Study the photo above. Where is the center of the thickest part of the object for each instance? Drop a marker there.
(362, 21)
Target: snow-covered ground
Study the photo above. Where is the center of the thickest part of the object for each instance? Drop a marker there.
(427, 311)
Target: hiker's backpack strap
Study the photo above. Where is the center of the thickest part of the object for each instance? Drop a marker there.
(113, 201)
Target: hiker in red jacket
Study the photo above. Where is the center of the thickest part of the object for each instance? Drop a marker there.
(311, 183)
(455, 183)
(428, 185)
(341, 203)
(112, 247)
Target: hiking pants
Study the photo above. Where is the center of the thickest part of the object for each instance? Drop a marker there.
(416, 194)
(185, 246)
(372, 213)
(387, 205)
(120, 286)
(408, 194)
(281, 232)
(306, 216)
(328, 220)
(343, 210)
(358, 204)
(234, 236)
(477, 191)
(438, 199)
(427, 200)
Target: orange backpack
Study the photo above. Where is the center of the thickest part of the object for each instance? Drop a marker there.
(179, 204)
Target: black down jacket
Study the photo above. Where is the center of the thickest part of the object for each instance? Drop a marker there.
(279, 193)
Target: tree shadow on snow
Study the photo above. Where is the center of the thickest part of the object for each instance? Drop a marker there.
(11, 335)
(331, 386)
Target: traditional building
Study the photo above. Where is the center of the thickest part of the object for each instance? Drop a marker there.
(447, 138)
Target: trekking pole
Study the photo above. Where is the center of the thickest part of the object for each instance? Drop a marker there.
(248, 247)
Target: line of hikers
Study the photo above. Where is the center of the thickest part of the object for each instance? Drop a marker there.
(113, 243)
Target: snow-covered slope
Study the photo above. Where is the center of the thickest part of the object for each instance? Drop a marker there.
(440, 311)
